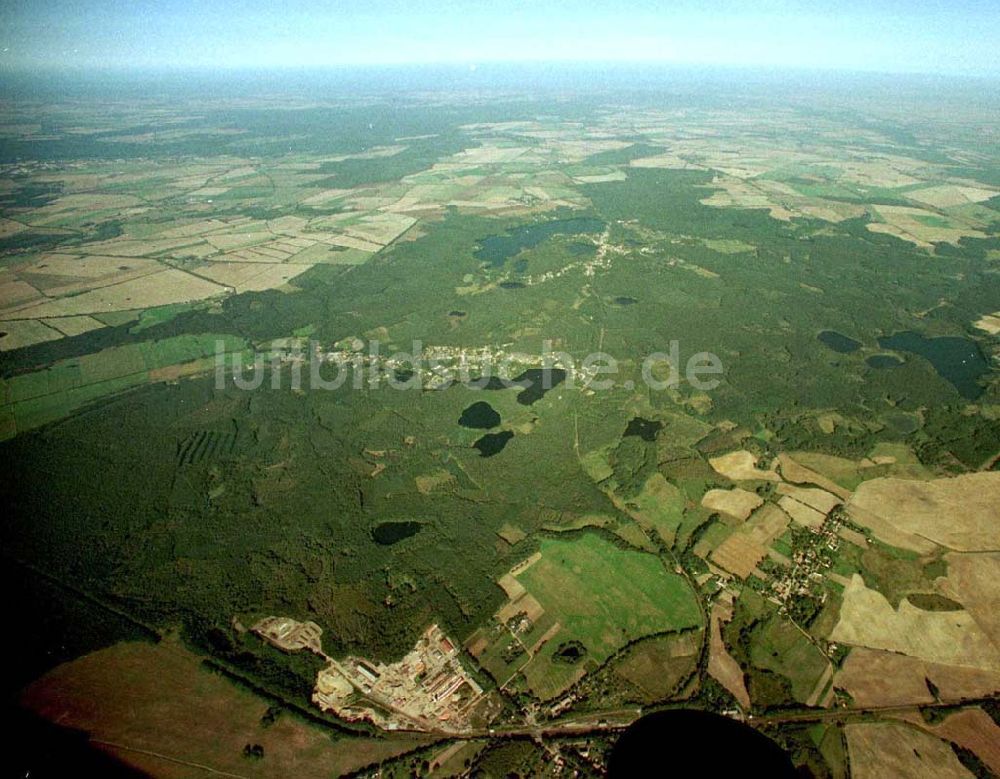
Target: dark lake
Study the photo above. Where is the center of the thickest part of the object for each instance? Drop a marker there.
(883, 361)
(686, 743)
(536, 382)
(389, 533)
(839, 343)
(957, 360)
(497, 249)
(646, 429)
(479, 416)
(624, 300)
(493, 443)
(511, 285)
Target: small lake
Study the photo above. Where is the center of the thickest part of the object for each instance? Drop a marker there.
(624, 300)
(536, 382)
(479, 416)
(646, 429)
(957, 360)
(389, 533)
(497, 249)
(838, 342)
(493, 443)
(694, 743)
(511, 285)
(883, 361)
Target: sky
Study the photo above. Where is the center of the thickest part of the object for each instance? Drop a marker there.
(919, 36)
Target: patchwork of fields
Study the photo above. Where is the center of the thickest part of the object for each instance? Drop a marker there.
(814, 536)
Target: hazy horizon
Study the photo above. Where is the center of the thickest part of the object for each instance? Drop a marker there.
(922, 37)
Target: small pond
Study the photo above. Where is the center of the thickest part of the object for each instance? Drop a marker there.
(493, 443)
(389, 533)
(839, 343)
(479, 416)
(646, 429)
(883, 361)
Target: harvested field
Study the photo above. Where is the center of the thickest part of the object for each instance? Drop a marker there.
(59, 270)
(328, 254)
(512, 534)
(766, 525)
(959, 513)
(141, 696)
(989, 323)
(801, 513)
(950, 195)
(429, 482)
(14, 292)
(228, 242)
(25, 332)
(9, 227)
(742, 466)
(721, 665)
(74, 325)
(526, 604)
(739, 554)
(599, 178)
(736, 502)
(877, 678)
(974, 730)
(821, 500)
(921, 227)
(249, 277)
(155, 289)
(511, 586)
(883, 749)
(666, 160)
(833, 474)
(948, 637)
(974, 581)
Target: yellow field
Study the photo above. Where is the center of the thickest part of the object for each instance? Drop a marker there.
(920, 226)
(21, 333)
(736, 502)
(154, 289)
(742, 466)
(247, 277)
(959, 513)
(948, 637)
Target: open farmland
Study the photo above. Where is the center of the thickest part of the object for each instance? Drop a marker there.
(137, 701)
(895, 749)
(813, 536)
(958, 513)
(576, 591)
(948, 637)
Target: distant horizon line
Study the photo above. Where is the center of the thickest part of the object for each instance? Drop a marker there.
(22, 69)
